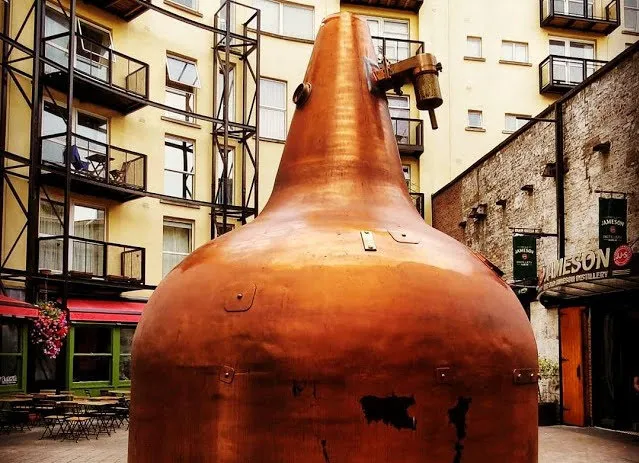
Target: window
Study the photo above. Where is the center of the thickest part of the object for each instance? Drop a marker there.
(182, 79)
(192, 4)
(406, 170)
(573, 8)
(179, 167)
(93, 44)
(398, 106)
(92, 353)
(398, 33)
(475, 119)
(126, 342)
(513, 124)
(286, 19)
(631, 15)
(86, 222)
(514, 51)
(176, 245)
(11, 351)
(225, 196)
(220, 229)
(219, 108)
(272, 109)
(473, 47)
(571, 71)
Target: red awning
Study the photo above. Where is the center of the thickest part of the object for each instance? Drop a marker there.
(91, 310)
(10, 307)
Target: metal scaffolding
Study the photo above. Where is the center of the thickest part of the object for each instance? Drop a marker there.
(29, 71)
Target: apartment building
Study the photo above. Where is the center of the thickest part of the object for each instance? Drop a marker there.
(149, 145)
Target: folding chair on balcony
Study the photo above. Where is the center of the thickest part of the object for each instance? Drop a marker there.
(119, 175)
(77, 162)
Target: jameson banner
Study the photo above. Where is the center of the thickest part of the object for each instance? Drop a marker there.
(524, 257)
(612, 222)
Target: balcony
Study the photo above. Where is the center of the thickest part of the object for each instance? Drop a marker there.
(409, 134)
(394, 50)
(418, 201)
(125, 9)
(558, 74)
(100, 169)
(601, 16)
(93, 262)
(102, 76)
(404, 5)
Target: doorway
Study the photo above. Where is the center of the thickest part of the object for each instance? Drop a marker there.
(571, 322)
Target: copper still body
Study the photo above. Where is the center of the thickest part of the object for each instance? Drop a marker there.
(337, 327)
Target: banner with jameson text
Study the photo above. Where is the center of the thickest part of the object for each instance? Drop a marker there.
(524, 257)
(612, 222)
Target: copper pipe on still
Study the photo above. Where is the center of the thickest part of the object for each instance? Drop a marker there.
(338, 326)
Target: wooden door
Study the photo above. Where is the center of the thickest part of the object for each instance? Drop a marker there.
(572, 375)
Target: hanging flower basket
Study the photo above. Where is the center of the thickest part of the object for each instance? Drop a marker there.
(49, 329)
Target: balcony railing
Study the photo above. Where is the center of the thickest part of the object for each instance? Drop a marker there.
(418, 201)
(602, 16)
(96, 161)
(409, 134)
(93, 259)
(558, 74)
(111, 78)
(394, 50)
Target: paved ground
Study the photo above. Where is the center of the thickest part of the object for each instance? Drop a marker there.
(557, 444)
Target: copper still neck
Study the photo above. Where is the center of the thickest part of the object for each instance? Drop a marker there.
(341, 150)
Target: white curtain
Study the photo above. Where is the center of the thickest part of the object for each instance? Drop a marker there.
(270, 17)
(176, 244)
(297, 21)
(272, 109)
(87, 256)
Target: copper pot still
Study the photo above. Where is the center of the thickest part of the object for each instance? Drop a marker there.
(337, 327)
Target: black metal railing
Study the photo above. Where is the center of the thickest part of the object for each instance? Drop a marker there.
(592, 10)
(418, 201)
(99, 62)
(408, 132)
(95, 160)
(91, 258)
(393, 50)
(559, 73)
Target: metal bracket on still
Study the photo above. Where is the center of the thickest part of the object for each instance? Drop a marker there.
(524, 376)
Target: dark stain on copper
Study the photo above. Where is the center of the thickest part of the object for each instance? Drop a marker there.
(325, 451)
(457, 417)
(298, 387)
(392, 410)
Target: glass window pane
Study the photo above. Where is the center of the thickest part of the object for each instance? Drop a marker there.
(272, 124)
(474, 118)
(507, 51)
(187, 3)
(558, 47)
(177, 237)
(297, 21)
(373, 26)
(270, 17)
(473, 47)
(179, 155)
(91, 368)
(126, 340)
(511, 123)
(125, 367)
(272, 93)
(10, 338)
(182, 71)
(631, 19)
(521, 52)
(88, 222)
(396, 29)
(220, 92)
(92, 340)
(178, 184)
(49, 222)
(10, 369)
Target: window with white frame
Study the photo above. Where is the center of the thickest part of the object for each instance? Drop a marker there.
(475, 119)
(574, 8)
(572, 60)
(514, 51)
(631, 15)
(397, 33)
(272, 109)
(399, 108)
(473, 47)
(191, 4)
(182, 80)
(512, 124)
(286, 19)
(177, 243)
(406, 171)
(179, 167)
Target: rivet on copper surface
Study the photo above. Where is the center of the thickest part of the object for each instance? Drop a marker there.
(301, 94)
(240, 295)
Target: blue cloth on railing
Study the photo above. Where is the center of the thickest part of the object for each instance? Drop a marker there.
(76, 160)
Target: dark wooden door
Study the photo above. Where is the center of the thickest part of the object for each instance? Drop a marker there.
(570, 324)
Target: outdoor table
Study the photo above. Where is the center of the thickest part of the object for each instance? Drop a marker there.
(56, 396)
(121, 392)
(102, 420)
(103, 398)
(15, 399)
(98, 162)
(9, 418)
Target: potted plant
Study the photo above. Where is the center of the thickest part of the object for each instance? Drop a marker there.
(548, 387)
(49, 329)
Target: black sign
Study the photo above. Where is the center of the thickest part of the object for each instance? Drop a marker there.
(612, 222)
(524, 257)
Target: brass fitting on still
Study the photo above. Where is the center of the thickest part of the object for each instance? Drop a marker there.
(422, 71)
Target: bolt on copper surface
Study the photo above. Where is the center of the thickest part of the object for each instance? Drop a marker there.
(362, 334)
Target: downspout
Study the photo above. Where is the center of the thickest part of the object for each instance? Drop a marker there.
(561, 227)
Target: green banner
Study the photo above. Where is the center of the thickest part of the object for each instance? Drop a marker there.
(524, 257)
(612, 222)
